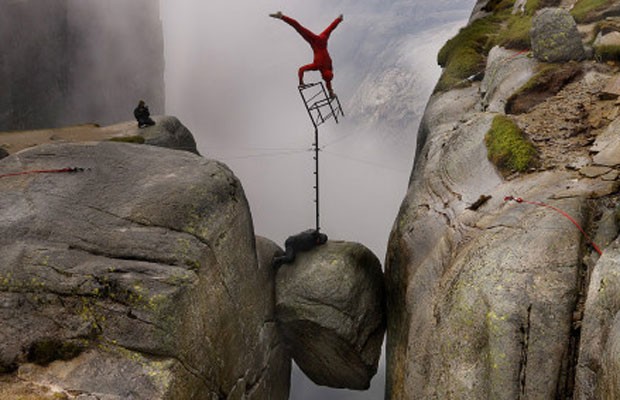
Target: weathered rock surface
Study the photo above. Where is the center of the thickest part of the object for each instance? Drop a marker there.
(598, 372)
(548, 83)
(506, 71)
(610, 39)
(330, 308)
(607, 146)
(487, 303)
(555, 37)
(3, 153)
(137, 278)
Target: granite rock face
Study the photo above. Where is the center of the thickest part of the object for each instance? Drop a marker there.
(598, 372)
(488, 301)
(135, 278)
(330, 308)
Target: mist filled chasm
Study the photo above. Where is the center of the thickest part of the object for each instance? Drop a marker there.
(231, 78)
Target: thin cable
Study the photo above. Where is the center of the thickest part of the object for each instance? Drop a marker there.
(257, 148)
(340, 139)
(260, 155)
(519, 200)
(364, 161)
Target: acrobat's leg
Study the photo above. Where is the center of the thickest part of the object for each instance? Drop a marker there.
(303, 69)
(305, 33)
(328, 75)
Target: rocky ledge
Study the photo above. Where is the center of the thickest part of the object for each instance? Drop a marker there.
(136, 274)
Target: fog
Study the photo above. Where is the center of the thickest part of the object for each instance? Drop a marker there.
(231, 78)
(55, 61)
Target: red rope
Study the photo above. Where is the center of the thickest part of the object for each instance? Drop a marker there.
(517, 54)
(43, 171)
(571, 219)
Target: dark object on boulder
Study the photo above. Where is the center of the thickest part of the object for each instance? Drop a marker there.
(304, 241)
(143, 115)
(480, 202)
(3, 153)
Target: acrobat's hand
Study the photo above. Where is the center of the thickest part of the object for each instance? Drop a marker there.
(277, 15)
(341, 17)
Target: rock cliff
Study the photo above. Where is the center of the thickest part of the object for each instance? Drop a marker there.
(492, 298)
(136, 274)
(136, 278)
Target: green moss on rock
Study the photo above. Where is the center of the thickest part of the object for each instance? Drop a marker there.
(516, 35)
(608, 53)
(507, 146)
(128, 139)
(464, 55)
(583, 10)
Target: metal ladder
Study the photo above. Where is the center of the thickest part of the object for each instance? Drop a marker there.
(321, 107)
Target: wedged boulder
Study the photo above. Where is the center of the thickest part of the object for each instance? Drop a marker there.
(136, 278)
(330, 308)
(555, 37)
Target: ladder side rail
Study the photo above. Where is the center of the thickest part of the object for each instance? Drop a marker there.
(329, 102)
(306, 104)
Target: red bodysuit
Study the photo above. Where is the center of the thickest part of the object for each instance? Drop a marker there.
(322, 61)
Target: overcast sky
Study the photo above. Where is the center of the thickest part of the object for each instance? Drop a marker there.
(231, 78)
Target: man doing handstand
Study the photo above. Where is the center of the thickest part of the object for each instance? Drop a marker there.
(322, 61)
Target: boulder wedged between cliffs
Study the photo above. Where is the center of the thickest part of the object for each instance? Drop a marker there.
(330, 308)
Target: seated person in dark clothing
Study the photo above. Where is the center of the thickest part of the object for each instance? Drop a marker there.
(304, 241)
(143, 116)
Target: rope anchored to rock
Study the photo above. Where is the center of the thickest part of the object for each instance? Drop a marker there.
(563, 213)
(44, 171)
